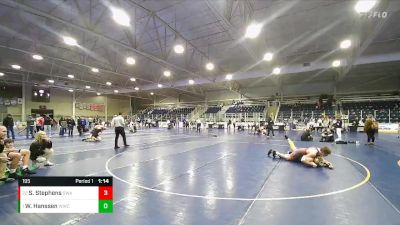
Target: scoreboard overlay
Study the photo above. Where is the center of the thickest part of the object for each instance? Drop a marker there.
(65, 195)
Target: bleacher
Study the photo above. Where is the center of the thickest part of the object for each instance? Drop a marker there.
(246, 109)
(181, 111)
(304, 111)
(159, 111)
(213, 109)
(381, 110)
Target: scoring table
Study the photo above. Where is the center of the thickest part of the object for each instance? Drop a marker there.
(65, 195)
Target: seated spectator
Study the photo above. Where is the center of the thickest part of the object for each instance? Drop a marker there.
(306, 136)
(14, 158)
(327, 135)
(41, 149)
(23, 154)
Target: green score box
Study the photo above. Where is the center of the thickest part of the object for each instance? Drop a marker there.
(105, 206)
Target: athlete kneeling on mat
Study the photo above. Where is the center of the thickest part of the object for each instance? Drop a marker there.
(41, 149)
(94, 135)
(311, 156)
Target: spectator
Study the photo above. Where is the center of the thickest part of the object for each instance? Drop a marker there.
(14, 158)
(47, 125)
(30, 124)
(8, 122)
(306, 136)
(39, 123)
(370, 127)
(23, 154)
(41, 149)
(63, 126)
(70, 125)
(270, 126)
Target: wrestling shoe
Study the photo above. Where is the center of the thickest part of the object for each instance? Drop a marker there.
(27, 171)
(273, 153)
(49, 164)
(286, 137)
(13, 176)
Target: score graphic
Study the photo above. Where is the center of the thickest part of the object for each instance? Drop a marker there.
(65, 195)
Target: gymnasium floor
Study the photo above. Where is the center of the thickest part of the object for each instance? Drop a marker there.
(181, 177)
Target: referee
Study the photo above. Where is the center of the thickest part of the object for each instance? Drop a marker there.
(118, 122)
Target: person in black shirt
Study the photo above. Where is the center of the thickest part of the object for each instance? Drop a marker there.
(306, 136)
(270, 126)
(30, 125)
(70, 125)
(41, 149)
(8, 122)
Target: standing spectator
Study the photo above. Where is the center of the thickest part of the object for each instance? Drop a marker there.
(71, 125)
(270, 126)
(229, 124)
(30, 124)
(198, 127)
(118, 122)
(8, 122)
(370, 127)
(81, 126)
(47, 125)
(63, 126)
(39, 123)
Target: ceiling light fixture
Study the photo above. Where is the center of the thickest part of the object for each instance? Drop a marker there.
(228, 77)
(71, 76)
(121, 17)
(108, 83)
(87, 87)
(179, 49)
(133, 79)
(268, 56)
(130, 61)
(336, 63)
(364, 6)
(253, 30)
(37, 57)
(210, 66)
(345, 44)
(70, 41)
(51, 81)
(276, 70)
(136, 88)
(167, 73)
(16, 67)
(191, 82)
(95, 70)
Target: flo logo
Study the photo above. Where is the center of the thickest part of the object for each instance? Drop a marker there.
(375, 15)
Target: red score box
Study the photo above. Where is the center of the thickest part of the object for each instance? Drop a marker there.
(105, 193)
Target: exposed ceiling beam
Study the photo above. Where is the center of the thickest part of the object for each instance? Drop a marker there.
(153, 58)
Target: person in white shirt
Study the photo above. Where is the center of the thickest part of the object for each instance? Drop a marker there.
(118, 122)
